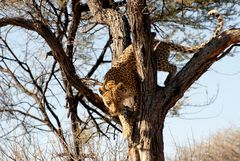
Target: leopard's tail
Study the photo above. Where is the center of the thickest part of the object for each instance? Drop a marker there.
(220, 23)
(180, 48)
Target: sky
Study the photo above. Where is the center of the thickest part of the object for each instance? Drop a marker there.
(197, 123)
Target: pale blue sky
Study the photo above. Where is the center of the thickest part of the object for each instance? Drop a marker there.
(199, 122)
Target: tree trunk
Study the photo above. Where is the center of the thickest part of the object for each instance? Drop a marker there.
(146, 143)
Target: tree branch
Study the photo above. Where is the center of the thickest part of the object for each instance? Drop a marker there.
(120, 34)
(196, 67)
(59, 54)
(99, 60)
(73, 28)
(85, 8)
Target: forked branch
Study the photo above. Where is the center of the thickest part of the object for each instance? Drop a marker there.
(59, 55)
(197, 66)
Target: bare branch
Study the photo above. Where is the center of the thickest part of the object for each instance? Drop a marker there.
(100, 59)
(73, 28)
(96, 112)
(227, 51)
(12, 111)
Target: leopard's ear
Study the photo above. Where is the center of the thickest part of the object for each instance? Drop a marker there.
(121, 87)
(101, 90)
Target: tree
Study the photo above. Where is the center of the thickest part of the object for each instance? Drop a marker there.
(63, 26)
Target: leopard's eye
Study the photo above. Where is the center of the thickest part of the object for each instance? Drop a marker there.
(107, 103)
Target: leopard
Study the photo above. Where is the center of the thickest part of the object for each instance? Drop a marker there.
(162, 49)
(117, 87)
(121, 80)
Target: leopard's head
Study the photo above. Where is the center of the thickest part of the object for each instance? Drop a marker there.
(113, 99)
